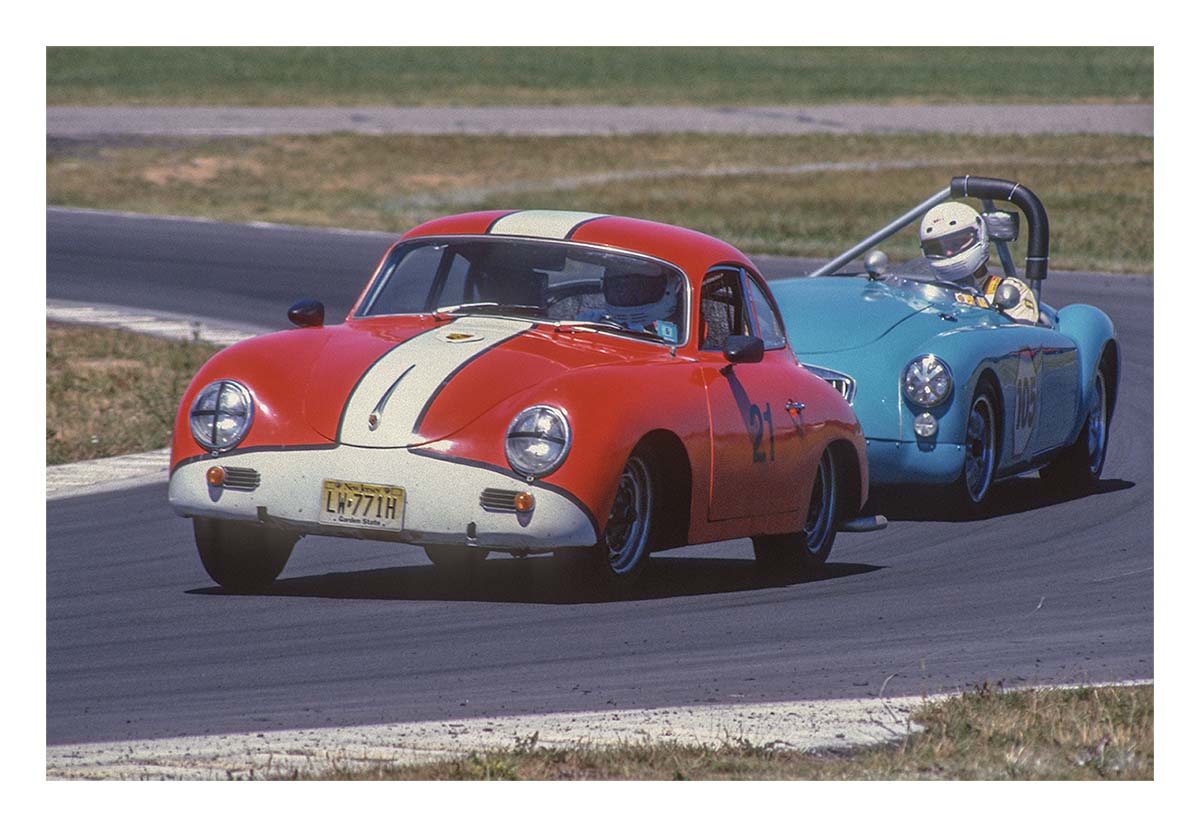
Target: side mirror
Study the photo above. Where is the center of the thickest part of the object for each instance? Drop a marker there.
(743, 349)
(307, 313)
(876, 263)
(1002, 225)
(1007, 297)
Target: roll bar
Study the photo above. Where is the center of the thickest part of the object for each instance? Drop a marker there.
(970, 186)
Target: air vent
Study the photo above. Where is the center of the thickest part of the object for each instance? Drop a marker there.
(241, 479)
(498, 499)
(841, 383)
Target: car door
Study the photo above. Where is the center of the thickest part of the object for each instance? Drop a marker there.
(755, 439)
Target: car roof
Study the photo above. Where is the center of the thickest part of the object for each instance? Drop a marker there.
(692, 251)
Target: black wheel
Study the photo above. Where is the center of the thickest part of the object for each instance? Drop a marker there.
(624, 546)
(981, 447)
(242, 557)
(455, 558)
(808, 549)
(1077, 469)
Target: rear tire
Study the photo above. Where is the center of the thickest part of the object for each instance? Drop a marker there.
(242, 557)
(1077, 469)
(807, 549)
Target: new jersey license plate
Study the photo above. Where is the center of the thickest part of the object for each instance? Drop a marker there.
(362, 505)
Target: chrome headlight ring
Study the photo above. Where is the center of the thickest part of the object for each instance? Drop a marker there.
(221, 415)
(537, 441)
(927, 381)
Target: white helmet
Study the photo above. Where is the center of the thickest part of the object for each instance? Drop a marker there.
(955, 241)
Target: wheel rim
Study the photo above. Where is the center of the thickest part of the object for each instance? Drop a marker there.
(629, 522)
(981, 449)
(1097, 426)
(821, 506)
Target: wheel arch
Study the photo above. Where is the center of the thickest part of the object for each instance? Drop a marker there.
(673, 471)
(849, 477)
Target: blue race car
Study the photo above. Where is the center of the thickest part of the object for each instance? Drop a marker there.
(951, 389)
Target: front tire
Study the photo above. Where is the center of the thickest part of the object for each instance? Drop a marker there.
(455, 558)
(242, 557)
(807, 549)
(981, 446)
(624, 547)
(1077, 469)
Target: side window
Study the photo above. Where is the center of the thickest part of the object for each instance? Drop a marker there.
(722, 309)
(770, 326)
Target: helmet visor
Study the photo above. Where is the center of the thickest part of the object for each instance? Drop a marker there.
(633, 289)
(950, 244)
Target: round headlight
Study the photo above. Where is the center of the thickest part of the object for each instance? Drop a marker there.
(221, 414)
(537, 441)
(927, 381)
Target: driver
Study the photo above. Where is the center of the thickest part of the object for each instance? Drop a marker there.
(955, 242)
(642, 301)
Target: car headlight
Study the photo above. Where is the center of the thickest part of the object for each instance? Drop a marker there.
(927, 381)
(537, 441)
(221, 415)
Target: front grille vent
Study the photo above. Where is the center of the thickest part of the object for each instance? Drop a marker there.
(840, 382)
(498, 499)
(241, 479)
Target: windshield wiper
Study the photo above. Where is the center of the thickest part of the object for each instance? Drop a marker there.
(614, 327)
(470, 307)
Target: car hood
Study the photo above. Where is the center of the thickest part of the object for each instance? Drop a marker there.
(827, 315)
(396, 383)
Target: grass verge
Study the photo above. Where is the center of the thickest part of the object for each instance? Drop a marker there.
(110, 392)
(492, 76)
(1066, 734)
(788, 195)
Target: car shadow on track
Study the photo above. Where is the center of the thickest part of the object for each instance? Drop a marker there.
(1015, 496)
(540, 580)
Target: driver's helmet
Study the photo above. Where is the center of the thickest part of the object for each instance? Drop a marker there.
(638, 300)
(955, 241)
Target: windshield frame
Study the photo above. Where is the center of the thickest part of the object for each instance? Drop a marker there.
(378, 282)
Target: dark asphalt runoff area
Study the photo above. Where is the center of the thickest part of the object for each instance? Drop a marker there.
(141, 644)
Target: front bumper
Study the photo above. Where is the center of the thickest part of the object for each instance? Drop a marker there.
(914, 463)
(442, 498)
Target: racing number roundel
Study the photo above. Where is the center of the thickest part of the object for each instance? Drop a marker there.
(1026, 407)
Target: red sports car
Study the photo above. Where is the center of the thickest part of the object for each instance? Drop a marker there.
(523, 382)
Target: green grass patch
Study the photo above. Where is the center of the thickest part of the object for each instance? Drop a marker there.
(493, 76)
(1066, 734)
(110, 392)
(765, 194)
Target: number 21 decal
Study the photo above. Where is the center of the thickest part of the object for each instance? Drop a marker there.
(761, 421)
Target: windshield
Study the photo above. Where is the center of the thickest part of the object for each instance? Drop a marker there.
(546, 280)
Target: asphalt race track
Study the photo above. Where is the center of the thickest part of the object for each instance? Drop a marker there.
(141, 644)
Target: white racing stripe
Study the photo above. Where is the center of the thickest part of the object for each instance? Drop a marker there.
(394, 392)
(541, 223)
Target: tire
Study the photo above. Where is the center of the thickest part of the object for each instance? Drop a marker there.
(807, 549)
(455, 558)
(981, 444)
(242, 557)
(624, 547)
(1077, 469)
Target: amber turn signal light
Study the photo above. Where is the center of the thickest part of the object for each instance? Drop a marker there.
(523, 502)
(216, 476)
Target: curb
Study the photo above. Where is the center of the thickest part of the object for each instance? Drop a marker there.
(96, 476)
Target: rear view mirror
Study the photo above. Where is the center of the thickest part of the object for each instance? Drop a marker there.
(1007, 297)
(307, 313)
(1002, 225)
(876, 263)
(743, 349)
